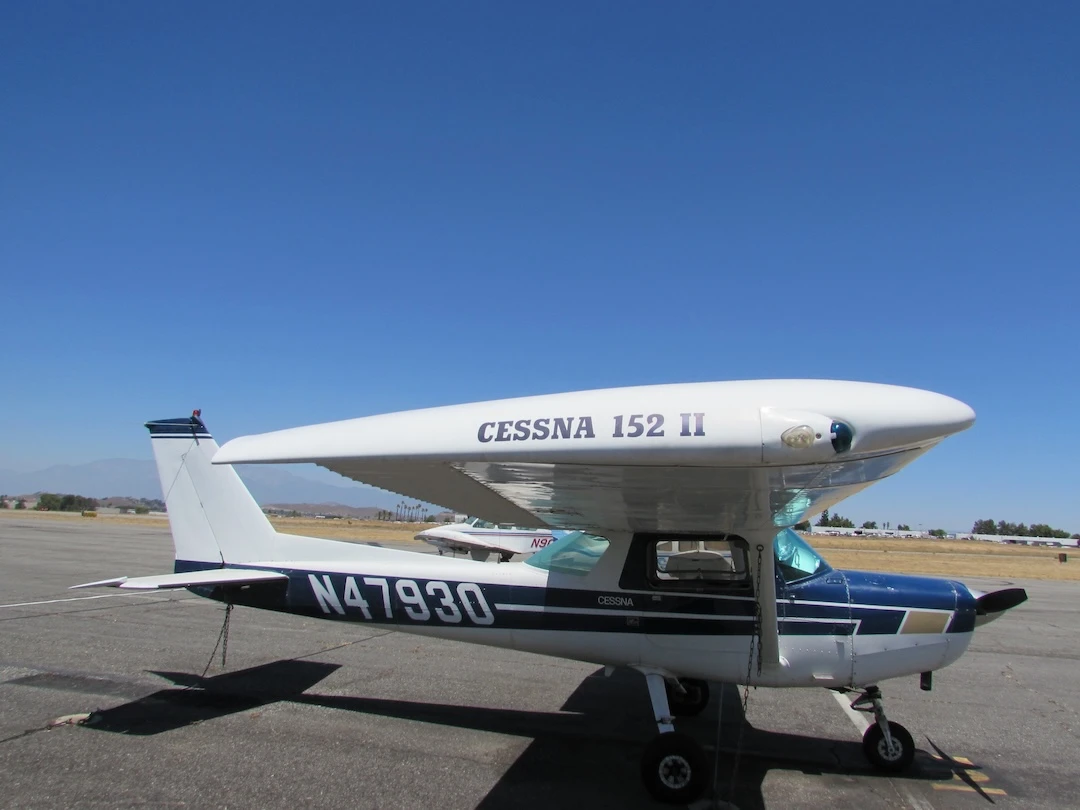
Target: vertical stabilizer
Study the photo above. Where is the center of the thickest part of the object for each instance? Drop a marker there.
(213, 517)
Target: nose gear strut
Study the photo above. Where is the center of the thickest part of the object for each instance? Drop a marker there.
(886, 744)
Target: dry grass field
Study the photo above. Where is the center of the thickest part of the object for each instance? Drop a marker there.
(351, 529)
(345, 529)
(951, 558)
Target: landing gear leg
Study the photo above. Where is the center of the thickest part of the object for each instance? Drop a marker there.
(673, 767)
(886, 744)
(688, 697)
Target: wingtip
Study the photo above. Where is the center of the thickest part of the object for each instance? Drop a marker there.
(116, 582)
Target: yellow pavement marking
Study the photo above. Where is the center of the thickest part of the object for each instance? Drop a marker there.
(961, 787)
(971, 780)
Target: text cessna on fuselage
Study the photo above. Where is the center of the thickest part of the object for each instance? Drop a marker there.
(628, 426)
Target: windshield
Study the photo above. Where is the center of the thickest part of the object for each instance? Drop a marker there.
(575, 553)
(795, 559)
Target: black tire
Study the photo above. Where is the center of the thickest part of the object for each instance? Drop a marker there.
(875, 749)
(693, 702)
(674, 769)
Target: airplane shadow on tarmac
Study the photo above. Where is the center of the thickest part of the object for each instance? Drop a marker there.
(586, 755)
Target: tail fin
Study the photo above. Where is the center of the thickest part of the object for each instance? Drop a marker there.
(213, 517)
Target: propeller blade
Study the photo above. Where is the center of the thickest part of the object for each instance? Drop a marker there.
(1000, 601)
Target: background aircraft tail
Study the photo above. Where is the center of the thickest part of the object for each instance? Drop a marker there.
(213, 517)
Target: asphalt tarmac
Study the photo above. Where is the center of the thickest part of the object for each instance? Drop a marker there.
(312, 713)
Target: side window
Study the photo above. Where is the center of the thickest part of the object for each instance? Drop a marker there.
(698, 563)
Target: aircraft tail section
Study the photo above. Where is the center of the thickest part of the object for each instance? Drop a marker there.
(213, 517)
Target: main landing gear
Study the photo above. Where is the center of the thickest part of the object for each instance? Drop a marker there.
(886, 744)
(674, 767)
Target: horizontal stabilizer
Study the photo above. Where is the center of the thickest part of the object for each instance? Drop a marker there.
(115, 582)
(191, 579)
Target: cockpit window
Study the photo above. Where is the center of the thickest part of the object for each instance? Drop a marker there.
(477, 523)
(699, 563)
(575, 553)
(795, 559)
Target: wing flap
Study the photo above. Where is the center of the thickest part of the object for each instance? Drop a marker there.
(191, 579)
(434, 482)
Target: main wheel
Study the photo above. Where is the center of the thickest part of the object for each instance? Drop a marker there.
(877, 750)
(674, 769)
(692, 702)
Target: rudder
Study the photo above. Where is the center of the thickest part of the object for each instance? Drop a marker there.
(214, 519)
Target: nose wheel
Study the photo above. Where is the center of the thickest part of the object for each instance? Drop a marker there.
(887, 745)
(674, 767)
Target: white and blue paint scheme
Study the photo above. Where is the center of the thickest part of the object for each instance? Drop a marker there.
(677, 558)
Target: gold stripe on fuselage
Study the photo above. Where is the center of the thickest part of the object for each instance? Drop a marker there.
(922, 621)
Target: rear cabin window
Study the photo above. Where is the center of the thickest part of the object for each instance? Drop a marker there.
(678, 563)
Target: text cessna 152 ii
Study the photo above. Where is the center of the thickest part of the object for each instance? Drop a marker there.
(481, 538)
(680, 561)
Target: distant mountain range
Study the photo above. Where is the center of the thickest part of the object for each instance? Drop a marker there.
(136, 478)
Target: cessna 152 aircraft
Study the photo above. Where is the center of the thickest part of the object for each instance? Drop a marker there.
(480, 538)
(679, 562)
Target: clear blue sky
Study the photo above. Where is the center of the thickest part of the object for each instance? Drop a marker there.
(288, 213)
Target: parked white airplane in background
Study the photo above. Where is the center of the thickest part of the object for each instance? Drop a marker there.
(481, 538)
(683, 566)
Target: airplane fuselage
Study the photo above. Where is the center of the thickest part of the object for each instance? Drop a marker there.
(839, 628)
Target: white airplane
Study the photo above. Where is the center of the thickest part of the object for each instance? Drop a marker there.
(681, 565)
(481, 538)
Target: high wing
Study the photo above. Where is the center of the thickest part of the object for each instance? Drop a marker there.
(460, 541)
(702, 457)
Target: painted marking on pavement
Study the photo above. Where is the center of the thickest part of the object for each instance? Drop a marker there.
(966, 779)
(71, 599)
(959, 786)
(915, 802)
(857, 718)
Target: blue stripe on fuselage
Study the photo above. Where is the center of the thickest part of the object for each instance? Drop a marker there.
(881, 600)
(187, 566)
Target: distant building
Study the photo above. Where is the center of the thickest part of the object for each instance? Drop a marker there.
(1011, 539)
(839, 532)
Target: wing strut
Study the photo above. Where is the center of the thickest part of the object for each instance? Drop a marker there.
(763, 565)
